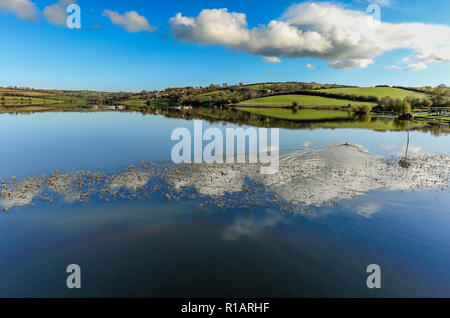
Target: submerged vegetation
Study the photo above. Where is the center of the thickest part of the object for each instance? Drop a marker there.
(306, 178)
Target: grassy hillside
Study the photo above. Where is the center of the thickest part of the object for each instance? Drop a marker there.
(209, 95)
(25, 93)
(18, 98)
(24, 100)
(302, 100)
(160, 102)
(379, 92)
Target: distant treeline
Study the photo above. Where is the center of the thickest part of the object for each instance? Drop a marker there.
(412, 89)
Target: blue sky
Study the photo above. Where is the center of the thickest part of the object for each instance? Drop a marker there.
(44, 55)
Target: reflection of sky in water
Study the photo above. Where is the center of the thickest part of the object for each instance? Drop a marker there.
(39, 143)
(322, 176)
(152, 247)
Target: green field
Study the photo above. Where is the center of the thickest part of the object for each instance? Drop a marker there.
(379, 92)
(65, 99)
(160, 102)
(24, 93)
(135, 101)
(206, 96)
(24, 101)
(302, 100)
(210, 94)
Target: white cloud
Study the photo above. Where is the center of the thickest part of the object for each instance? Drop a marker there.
(56, 13)
(310, 66)
(216, 26)
(430, 58)
(24, 9)
(416, 66)
(131, 21)
(348, 64)
(393, 67)
(272, 59)
(322, 30)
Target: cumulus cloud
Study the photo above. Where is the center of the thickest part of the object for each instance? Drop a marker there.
(431, 58)
(416, 67)
(410, 67)
(56, 13)
(216, 26)
(326, 31)
(24, 9)
(272, 59)
(310, 66)
(348, 64)
(131, 21)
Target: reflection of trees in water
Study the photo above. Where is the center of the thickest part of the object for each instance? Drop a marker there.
(240, 117)
(237, 116)
(401, 124)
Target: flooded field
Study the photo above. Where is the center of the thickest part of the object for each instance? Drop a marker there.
(100, 190)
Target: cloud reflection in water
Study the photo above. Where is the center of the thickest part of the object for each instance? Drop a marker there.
(306, 178)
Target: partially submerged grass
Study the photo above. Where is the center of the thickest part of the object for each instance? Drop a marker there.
(305, 178)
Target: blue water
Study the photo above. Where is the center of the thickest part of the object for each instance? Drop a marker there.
(158, 248)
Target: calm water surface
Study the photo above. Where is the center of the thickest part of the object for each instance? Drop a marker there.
(159, 248)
